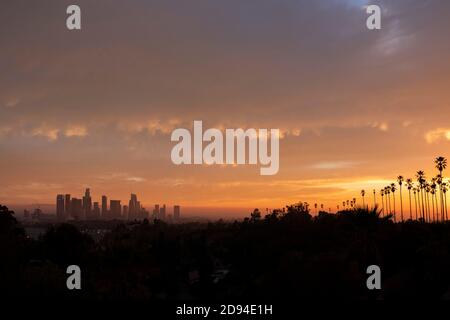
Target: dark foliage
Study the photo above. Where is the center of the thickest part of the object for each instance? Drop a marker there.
(286, 254)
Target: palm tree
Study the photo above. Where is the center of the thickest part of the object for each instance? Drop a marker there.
(433, 196)
(444, 191)
(441, 165)
(362, 194)
(409, 185)
(400, 182)
(415, 190)
(387, 190)
(433, 192)
(374, 198)
(420, 179)
(393, 189)
(427, 200)
(315, 207)
(441, 195)
(382, 200)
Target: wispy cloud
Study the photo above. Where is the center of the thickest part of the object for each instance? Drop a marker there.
(331, 165)
(46, 131)
(438, 134)
(76, 131)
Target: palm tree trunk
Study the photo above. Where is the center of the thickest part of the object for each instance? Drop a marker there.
(436, 206)
(423, 205)
(389, 202)
(432, 204)
(415, 200)
(410, 207)
(445, 200)
(401, 204)
(393, 199)
(374, 200)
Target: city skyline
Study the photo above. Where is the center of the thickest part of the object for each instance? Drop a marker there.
(355, 107)
(72, 208)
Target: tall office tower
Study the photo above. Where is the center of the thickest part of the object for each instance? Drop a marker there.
(115, 209)
(162, 212)
(145, 214)
(96, 211)
(125, 213)
(87, 204)
(67, 206)
(104, 207)
(60, 207)
(176, 213)
(77, 209)
(133, 207)
(140, 211)
(156, 212)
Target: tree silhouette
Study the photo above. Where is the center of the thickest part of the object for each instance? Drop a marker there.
(400, 182)
(374, 198)
(420, 180)
(433, 196)
(363, 192)
(409, 185)
(415, 190)
(441, 164)
(444, 191)
(393, 189)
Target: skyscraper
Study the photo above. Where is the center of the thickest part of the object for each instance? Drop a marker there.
(77, 209)
(96, 211)
(176, 213)
(67, 206)
(104, 207)
(115, 209)
(133, 207)
(162, 213)
(87, 204)
(125, 212)
(60, 207)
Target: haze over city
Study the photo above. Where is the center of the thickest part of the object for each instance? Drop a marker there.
(95, 108)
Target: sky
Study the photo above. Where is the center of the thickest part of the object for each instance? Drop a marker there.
(96, 107)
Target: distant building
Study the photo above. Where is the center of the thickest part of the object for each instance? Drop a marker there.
(96, 211)
(37, 214)
(133, 208)
(77, 209)
(104, 207)
(67, 203)
(144, 213)
(60, 207)
(115, 209)
(162, 213)
(156, 212)
(176, 213)
(87, 204)
(125, 212)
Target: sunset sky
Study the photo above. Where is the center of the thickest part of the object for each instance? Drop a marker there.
(95, 108)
